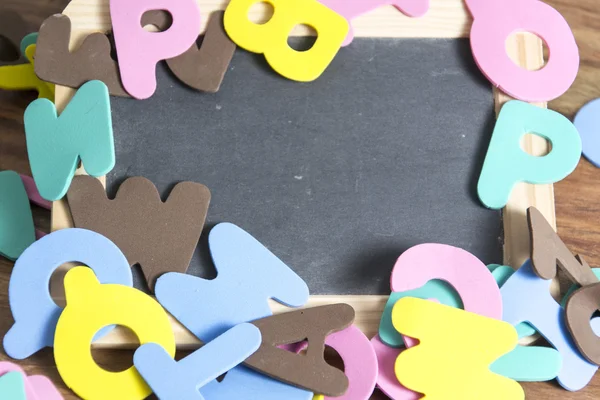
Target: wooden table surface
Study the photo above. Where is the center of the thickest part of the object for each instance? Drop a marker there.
(577, 209)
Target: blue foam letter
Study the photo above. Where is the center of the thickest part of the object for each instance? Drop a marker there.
(243, 383)
(248, 275)
(32, 307)
(183, 380)
(526, 298)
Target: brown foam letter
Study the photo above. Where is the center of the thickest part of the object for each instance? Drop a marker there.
(579, 310)
(548, 250)
(92, 61)
(161, 237)
(309, 371)
(14, 29)
(200, 68)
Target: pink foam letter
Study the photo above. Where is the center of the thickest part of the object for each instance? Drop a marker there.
(351, 9)
(37, 387)
(387, 381)
(44, 388)
(34, 194)
(466, 273)
(6, 367)
(496, 20)
(139, 50)
(360, 362)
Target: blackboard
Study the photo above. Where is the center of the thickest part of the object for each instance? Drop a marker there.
(337, 177)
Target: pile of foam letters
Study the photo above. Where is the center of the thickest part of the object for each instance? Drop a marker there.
(452, 326)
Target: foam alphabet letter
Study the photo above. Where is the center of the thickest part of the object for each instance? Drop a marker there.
(36, 386)
(44, 388)
(200, 68)
(56, 144)
(444, 293)
(12, 386)
(526, 298)
(421, 263)
(352, 9)
(579, 310)
(507, 164)
(248, 274)
(529, 364)
(32, 307)
(466, 273)
(160, 236)
(308, 371)
(34, 197)
(547, 250)
(271, 37)
(182, 380)
(243, 383)
(91, 61)
(23, 77)
(16, 221)
(475, 340)
(360, 362)
(91, 306)
(575, 286)
(246, 270)
(435, 289)
(543, 363)
(501, 274)
(28, 40)
(587, 122)
(139, 50)
(34, 194)
(387, 381)
(496, 20)
(16, 62)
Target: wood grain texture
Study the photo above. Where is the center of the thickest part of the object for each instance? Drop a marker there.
(577, 211)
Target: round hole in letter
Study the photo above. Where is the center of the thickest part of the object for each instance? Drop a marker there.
(261, 12)
(531, 144)
(117, 360)
(156, 20)
(529, 64)
(333, 358)
(56, 285)
(302, 37)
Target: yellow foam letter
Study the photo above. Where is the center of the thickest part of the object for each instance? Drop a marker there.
(455, 352)
(271, 37)
(23, 77)
(90, 307)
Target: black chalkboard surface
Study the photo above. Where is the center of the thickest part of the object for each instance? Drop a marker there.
(337, 177)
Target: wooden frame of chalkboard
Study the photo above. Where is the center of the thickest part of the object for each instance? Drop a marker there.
(445, 19)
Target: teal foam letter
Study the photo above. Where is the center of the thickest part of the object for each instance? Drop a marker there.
(16, 222)
(55, 144)
(507, 164)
